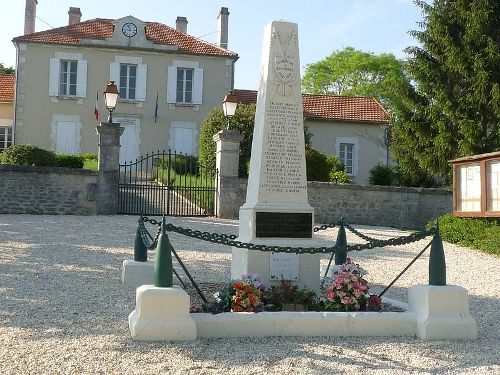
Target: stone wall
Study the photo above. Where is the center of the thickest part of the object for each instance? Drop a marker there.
(397, 207)
(47, 190)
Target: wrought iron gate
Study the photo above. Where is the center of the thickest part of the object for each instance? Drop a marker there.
(166, 183)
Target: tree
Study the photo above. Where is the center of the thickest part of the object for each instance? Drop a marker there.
(453, 107)
(4, 70)
(353, 72)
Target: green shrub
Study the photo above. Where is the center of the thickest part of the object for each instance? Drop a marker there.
(184, 164)
(478, 233)
(317, 168)
(29, 155)
(335, 164)
(69, 160)
(382, 175)
(339, 177)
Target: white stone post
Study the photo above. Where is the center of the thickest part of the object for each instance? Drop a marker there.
(442, 312)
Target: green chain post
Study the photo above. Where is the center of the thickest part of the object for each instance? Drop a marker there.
(341, 243)
(163, 269)
(140, 251)
(437, 264)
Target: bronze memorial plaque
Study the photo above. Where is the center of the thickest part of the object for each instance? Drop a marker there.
(283, 224)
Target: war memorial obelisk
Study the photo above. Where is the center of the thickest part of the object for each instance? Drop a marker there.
(277, 211)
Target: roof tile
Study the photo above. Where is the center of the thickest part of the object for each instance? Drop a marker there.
(101, 29)
(330, 107)
(7, 87)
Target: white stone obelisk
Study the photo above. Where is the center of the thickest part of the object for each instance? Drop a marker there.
(277, 211)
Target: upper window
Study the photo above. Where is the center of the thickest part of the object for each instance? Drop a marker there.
(184, 85)
(128, 81)
(68, 75)
(346, 155)
(5, 137)
(68, 78)
(130, 75)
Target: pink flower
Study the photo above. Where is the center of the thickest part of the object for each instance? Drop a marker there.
(346, 300)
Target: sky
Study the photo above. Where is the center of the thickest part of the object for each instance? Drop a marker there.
(378, 26)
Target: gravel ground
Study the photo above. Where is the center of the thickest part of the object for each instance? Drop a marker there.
(63, 309)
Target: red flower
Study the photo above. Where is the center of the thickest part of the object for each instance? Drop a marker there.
(374, 303)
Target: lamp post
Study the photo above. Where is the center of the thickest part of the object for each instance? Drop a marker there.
(110, 98)
(229, 105)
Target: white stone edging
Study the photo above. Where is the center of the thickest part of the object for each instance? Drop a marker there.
(434, 313)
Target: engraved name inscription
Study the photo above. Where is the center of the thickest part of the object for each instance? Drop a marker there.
(283, 156)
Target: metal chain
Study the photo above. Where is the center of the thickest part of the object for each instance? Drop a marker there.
(324, 227)
(228, 240)
(359, 234)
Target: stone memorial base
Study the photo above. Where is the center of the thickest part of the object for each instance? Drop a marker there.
(161, 314)
(137, 273)
(244, 261)
(442, 312)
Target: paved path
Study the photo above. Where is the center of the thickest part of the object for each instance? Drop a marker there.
(63, 309)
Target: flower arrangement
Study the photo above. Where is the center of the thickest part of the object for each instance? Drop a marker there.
(348, 289)
(286, 296)
(246, 297)
(243, 295)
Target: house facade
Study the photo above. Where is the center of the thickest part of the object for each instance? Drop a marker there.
(168, 82)
(354, 128)
(6, 109)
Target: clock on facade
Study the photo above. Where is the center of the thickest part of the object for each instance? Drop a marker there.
(129, 29)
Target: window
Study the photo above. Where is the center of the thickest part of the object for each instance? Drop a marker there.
(345, 154)
(130, 75)
(347, 151)
(5, 137)
(469, 177)
(68, 78)
(185, 83)
(128, 81)
(68, 75)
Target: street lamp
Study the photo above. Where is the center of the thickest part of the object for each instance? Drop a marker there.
(110, 98)
(229, 105)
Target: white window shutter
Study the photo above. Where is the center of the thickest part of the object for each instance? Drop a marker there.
(81, 79)
(198, 86)
(142, 74)
(171, 84)
(114, 73)
(54, 77)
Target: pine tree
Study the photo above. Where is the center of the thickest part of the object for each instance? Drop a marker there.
(453, 107)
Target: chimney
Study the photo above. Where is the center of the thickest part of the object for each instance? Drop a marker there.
(75, 16)
(30, 16)
(181, 24)
(222, 27)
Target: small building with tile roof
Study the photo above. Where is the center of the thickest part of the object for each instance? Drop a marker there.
(6, 109)
(168, 82)
(352, 127)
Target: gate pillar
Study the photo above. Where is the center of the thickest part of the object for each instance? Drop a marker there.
(109, 167)
(227, 162)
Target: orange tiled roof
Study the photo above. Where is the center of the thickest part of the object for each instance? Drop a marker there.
(7, 87)
(101, 29)
(330, 107)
